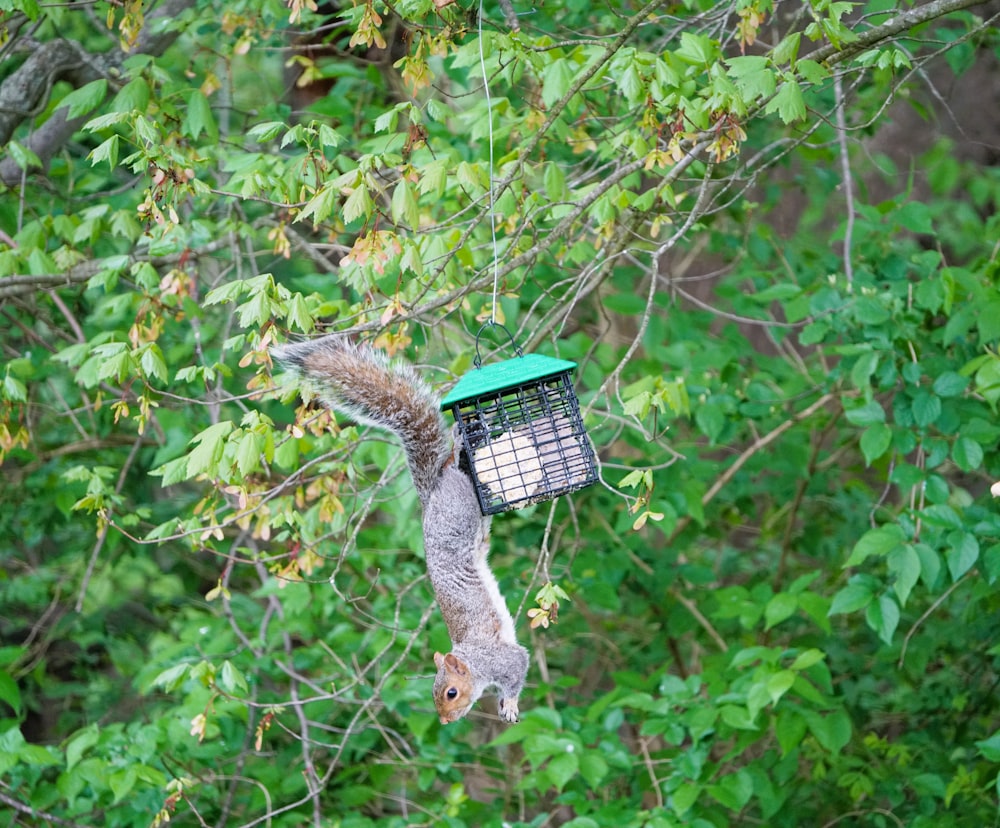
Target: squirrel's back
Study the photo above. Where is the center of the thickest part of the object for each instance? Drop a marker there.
(366, 385)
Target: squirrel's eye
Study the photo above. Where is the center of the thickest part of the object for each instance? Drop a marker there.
(452, 693)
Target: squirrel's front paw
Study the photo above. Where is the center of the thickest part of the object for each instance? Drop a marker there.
(508, 709)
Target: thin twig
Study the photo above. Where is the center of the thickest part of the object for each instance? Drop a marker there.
(927, 614)
(848, 180)
(750, 451)
(705, 624)
(107, 525)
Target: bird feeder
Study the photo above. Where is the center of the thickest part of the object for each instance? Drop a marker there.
(522, 434)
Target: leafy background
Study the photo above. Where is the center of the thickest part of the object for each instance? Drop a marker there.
(767, 234)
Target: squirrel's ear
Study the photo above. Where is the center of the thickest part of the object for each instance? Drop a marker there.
(454, 665)
(438, 660)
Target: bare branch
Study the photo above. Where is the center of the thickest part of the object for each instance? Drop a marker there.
(24, 93)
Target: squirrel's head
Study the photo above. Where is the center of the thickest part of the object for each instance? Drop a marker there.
(454, 692)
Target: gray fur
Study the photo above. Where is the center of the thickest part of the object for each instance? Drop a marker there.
(364, 384)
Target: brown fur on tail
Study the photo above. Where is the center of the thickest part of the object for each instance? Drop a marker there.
(369, 387)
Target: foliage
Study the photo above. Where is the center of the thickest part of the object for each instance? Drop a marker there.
(779, 607)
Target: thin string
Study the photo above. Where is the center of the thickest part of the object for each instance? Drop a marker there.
(489, 121)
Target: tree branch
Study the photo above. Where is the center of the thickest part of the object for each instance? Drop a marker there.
(22, 283)
(27, 90)
(897, 25)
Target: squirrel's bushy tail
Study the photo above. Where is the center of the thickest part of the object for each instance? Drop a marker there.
(369, 387)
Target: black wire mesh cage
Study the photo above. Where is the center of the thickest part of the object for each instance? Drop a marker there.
(522, 434)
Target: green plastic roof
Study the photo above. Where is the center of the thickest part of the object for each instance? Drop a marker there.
(506, 374)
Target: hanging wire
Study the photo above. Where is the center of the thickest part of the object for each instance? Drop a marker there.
(489, 121)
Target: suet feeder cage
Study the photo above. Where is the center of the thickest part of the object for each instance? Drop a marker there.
(522, 434)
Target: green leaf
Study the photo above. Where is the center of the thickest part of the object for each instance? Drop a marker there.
(248, 452)
(737, 717)
(38, 755)
(684, 797)
(121, 783)
(733, 791)
(152, 362)
(133, 97)
(883, 617)
(811, 71)
(9, 692)
(639, 405)
(807, 659)
(787, 50)
(78, 745)
(199, 117)
(991, 563)
(779, 608)
(107, 150)
(832, 731)
(878, 542)
(404, 205)
(329, 137)
(915, 217)
(962, 554)
(434, 178)
(299, 315)
(752, 75)
(231, 680)
(711, 419)
(950, 384)
(267, 131)
(173, 471)
(967, 454)
(14, 389)
(226, 292)
(171, 678)
(205, 457)
(321, 205)
(926, 408)
(555, 182)
(789, 729)
(256, 311)
(851, 598)
(866, 414)
(990, 748)
(788, 102)
(557, 78)
(904, 564)
(472, 176)
(387, 120)
(989, 321)
(86, 98)
(864, 367)
(875, 441)
(779, 684)
(23, 157)
(930, 564)
(697, 49)
(286, 453)
(358, 205)
(593, 768)
(562, 768)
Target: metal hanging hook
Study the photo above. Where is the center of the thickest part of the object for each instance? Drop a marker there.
(478, 361)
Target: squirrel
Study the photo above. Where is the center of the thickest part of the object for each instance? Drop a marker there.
(366, 385)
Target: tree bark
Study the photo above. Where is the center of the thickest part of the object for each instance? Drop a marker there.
(26, 91)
